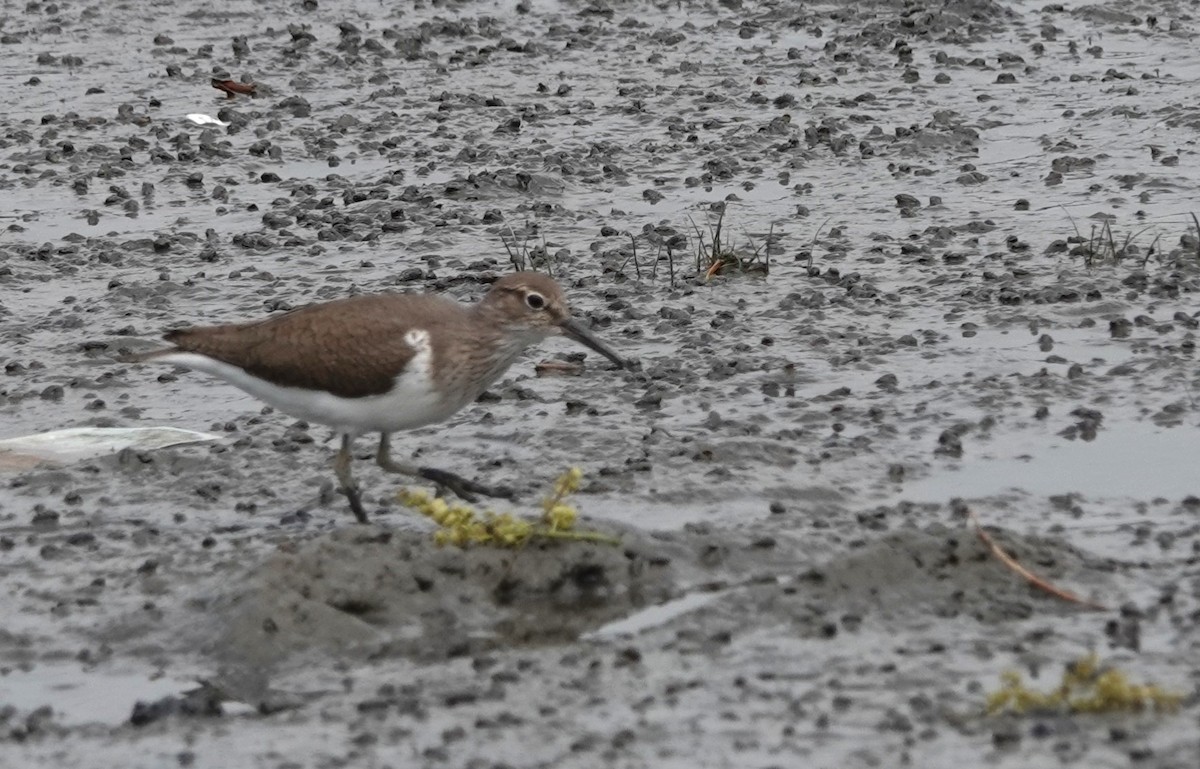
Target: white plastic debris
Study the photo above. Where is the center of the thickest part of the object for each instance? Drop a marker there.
(199, 118)
(77, 443)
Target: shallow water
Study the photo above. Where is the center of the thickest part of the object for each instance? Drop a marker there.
(79, 696)
(1120, 463)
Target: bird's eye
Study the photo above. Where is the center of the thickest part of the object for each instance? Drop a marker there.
(535, 300)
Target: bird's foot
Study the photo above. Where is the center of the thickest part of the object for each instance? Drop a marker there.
(464, 488)
(354, 496)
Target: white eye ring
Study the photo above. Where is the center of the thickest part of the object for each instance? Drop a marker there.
(535, 301)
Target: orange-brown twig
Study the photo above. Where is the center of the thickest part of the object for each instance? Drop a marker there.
(1029, 576)
(233, 87)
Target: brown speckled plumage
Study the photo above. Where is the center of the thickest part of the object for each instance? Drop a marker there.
(355, 347)
(350, 347)
(385, 362)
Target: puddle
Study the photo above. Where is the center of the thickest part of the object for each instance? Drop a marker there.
(81, 696)
(1129, 461)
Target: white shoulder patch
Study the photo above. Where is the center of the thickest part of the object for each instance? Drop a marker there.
(421, 366)
(418, 339)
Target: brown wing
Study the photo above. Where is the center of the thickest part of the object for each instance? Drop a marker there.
(350, 347)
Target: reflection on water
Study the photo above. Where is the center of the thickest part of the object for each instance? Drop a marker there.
(1133, 460)
(79, 697)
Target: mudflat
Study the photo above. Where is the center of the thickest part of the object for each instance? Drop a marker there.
(958, 269)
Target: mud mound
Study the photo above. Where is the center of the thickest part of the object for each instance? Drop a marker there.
(946, 573)
(395, 593)
(930, 578)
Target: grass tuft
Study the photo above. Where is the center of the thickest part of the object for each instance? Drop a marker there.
(522, 257)
(1103, 246)
(716, 254)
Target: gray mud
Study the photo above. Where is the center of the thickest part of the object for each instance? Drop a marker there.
(980, 285)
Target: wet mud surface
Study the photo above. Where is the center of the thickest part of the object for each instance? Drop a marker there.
(980, 283)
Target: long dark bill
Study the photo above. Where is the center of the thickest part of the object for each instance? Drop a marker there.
(573, 330)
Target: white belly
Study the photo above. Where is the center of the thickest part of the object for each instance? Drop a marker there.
(412, 401)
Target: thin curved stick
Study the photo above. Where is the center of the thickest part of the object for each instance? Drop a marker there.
(1026, 574)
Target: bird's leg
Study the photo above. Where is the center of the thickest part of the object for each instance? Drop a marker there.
(341, 466)
(462, 487)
